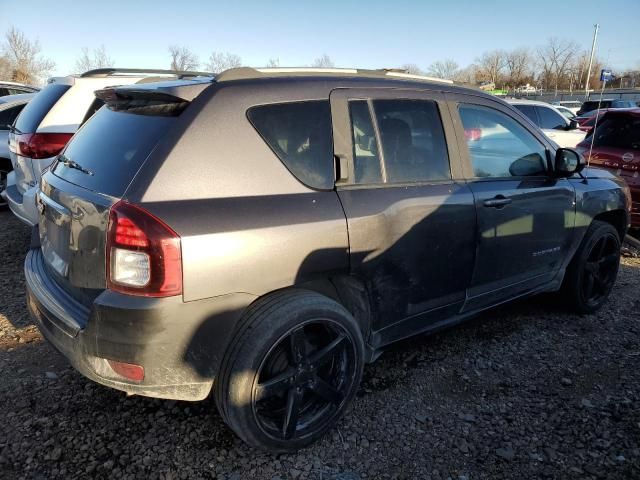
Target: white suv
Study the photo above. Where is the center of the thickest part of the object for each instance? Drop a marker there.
(49, 121)
(553, 123)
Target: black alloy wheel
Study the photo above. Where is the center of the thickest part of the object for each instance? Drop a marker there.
(601, 268)
(304, 380)
(590, 276)
(290, 371)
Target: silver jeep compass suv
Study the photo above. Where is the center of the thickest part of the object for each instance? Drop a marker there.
(262, 235)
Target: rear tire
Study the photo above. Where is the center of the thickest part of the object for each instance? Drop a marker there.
(291, 370)
(593, 269)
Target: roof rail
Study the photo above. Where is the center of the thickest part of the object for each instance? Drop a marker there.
(244, 73)
(108, 72)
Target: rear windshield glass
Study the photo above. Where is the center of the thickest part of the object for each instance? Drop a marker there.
(618, 132)
(300, 134)
(111, 147)
(39, 106)
(593, 105)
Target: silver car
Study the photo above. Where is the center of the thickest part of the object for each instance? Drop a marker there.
(10, 107)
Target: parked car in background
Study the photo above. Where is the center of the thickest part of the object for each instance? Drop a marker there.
(554, 124)
(14, 88)
(45, 126)
(572, 105)
(10, 107)
(616, 147)
(487, 86)
(592, 105)
(267, 232)
(568, 113)
(526, 89)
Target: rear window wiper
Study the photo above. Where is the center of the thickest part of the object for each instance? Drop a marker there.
(67, 162)
(13, 129)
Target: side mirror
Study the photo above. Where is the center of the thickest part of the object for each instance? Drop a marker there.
(568, 162)
(572, 125)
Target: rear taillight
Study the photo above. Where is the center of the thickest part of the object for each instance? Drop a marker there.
(41, 145)
(143, 253)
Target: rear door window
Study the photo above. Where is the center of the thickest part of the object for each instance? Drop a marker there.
(39, 106)
(299, 133)
(112, 147)
(550, 120)
(366, 160)
(413, 142)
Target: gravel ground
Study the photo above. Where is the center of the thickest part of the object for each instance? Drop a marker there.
(526, 391)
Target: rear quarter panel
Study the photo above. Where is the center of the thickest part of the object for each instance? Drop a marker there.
(246, 223)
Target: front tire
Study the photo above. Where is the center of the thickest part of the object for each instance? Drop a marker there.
(291, 370)
(594, 268)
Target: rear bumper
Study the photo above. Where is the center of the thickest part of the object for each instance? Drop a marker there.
(180, 345)
(22, 205)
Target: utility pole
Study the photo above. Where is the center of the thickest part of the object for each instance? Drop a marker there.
(593, 50)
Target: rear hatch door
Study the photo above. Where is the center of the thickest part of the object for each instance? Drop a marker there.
(27, 124)
(91, 174)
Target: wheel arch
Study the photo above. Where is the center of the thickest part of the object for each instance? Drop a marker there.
(616, 218)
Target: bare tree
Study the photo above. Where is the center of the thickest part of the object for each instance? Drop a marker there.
(468, 75)
(490, 65)
(25, 63)
(273, 63)
(323, 61)
(219, 61)
(90, 61)
(518, 66)
(412, 68)
(446, 68)
(182, 59)
(6, 72)
(556, 57)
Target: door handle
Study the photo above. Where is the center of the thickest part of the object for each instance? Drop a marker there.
(497, 202)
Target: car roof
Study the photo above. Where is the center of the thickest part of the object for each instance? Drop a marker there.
(18, 98)
(322, 78)
(17, 84)
(522, 101)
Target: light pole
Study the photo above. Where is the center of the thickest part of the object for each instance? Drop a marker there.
(593, 49)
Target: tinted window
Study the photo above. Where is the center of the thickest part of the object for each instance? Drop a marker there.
(618, 132)
(498, 145)
(3, 91)
(113, 146)
(413, 142)
(530, 112)
(39, 106)
(8, 115)
(93, 108)
(594, 105)
(550, 119)
(366, 161)
(300, 135)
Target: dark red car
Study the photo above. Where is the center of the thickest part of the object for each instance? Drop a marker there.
(616, 147)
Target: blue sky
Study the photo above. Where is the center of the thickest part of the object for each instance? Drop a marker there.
(370, 34)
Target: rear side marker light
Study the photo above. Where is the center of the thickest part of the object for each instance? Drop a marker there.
(130, 371)
(143, 253)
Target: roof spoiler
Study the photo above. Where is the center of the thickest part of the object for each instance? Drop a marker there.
(168, 92)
